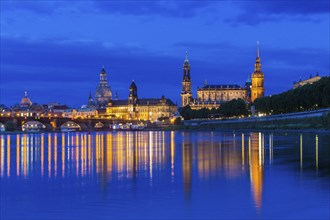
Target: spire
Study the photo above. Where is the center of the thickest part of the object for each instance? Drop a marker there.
(90, 95)
(186, 60)
(258, 53)
(257, 65)
(25, 94)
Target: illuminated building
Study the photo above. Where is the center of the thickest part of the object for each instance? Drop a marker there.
(133, 108)
(213, 95)
(103, 91)
(80, 113)
(257, 89)
(307, 81)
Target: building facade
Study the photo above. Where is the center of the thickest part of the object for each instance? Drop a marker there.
(212, 96)
(257, 87)
(134, 108)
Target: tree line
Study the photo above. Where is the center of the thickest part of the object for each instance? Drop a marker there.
(307, 97)
(235, 107)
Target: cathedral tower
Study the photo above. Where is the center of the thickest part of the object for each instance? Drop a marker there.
(257, 88)
(186, 94)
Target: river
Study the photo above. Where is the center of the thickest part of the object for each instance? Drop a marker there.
(165, 174)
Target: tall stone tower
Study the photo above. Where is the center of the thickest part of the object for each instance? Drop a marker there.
(186, 94)
(257, 88)
(103, 93)
(133, 96)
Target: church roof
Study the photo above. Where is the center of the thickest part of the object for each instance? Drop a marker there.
(221, 86)
(124, 102)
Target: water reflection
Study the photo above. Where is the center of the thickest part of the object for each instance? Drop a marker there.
(129, 155)
(256, 164)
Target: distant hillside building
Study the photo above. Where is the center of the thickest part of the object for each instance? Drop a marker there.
(103, 93)
(307, 81)
(134, 108)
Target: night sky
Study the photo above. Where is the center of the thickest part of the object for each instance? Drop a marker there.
(55, 49)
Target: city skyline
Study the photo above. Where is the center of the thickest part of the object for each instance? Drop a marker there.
(55, 51)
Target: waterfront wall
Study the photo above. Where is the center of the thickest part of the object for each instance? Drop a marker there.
(319, 119)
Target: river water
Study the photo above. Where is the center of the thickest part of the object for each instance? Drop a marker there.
(165, 174)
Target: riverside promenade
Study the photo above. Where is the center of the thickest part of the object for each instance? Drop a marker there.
(297, 119)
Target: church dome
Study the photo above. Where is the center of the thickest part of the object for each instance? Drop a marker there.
(25, 102)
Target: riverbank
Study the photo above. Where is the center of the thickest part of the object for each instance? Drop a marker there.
(320, 123)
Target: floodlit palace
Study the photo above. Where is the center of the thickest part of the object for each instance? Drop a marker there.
(211, 96)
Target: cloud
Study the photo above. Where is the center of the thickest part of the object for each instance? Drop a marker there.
(167, 8)
(255, 12)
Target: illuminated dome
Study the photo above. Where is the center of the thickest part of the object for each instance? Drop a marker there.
(25, 102)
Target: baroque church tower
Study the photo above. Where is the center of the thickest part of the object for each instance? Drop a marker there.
(257, 88)
(133, 96)
(103, 91)
(186, 94)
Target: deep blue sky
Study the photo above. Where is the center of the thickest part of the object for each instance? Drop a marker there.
(55, 49)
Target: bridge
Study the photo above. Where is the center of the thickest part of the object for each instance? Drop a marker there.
(54, 122)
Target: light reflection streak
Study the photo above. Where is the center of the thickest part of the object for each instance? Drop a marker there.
(2, 158)
(49, 150)
(172, 153)
(42, 153)
(271, 148)
(301, 151)
(8, 154)
(63, 154)
(256, 162)
(316, 152)
(55, 155)
(243, 150)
